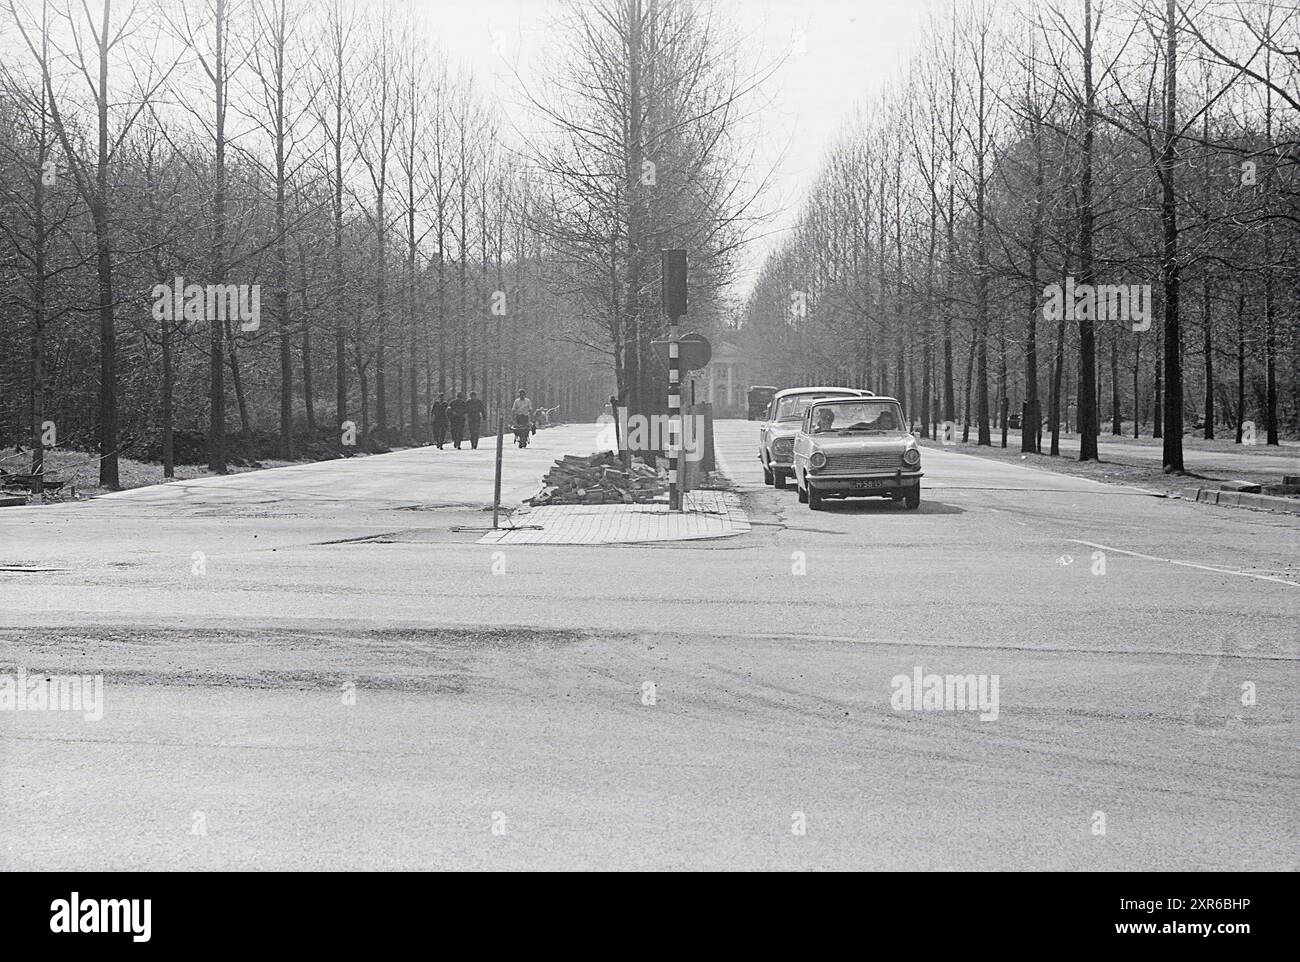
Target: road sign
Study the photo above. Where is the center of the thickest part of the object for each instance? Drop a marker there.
(694, 351)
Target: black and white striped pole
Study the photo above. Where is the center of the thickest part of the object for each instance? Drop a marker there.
(674, 298)
(674, 417)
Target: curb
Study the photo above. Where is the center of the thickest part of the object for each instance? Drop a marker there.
(709, 515)
(1241, 499)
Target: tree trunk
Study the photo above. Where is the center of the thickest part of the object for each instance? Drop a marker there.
(339, 281)
(1157, 410)
(168, 393)
(1058, 370)
(1137, 398)
(1241, 359)
(282, 256)
(1002, 383)
(1169, 268)
(100, 216)
(1207, 317)
(40, 307)
(237, 382)
(216, 327)
(308, 390)
(970, 361)
(1087, 410)
(1116, 415)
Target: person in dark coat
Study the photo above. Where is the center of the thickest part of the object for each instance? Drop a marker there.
(475, 413)
(439, 415)
(457, 411)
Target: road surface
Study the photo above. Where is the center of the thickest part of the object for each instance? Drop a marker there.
(345, 681)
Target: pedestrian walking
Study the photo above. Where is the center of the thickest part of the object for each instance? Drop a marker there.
(475, 414)
(439, 415)
(457, 411)
(522, 412)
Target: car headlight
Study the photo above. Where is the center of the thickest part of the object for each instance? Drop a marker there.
(783, 446)
(912, 457)
(817, 461)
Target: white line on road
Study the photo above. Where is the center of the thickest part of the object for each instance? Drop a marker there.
(1187, 564)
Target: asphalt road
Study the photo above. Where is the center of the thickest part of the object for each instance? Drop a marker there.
(346, 682)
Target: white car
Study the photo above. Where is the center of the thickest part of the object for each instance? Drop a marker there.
(781, 423)
(856, 448)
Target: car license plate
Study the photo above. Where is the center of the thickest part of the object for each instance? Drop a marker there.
(870, 482)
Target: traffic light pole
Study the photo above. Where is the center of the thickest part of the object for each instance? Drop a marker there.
(674, 416)
(496, 486)
(674, 305)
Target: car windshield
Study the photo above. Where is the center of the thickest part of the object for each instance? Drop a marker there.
(864, 415)
(792, 407)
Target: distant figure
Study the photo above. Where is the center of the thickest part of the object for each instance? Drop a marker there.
(475, 413)
(825, 421)
(438, 414)
(457, 411)
(522, 410)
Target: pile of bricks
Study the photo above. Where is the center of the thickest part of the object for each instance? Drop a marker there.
(600, 479)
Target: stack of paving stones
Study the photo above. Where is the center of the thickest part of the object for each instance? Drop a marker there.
(600, 479)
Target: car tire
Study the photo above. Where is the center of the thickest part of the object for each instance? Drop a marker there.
(778, 479)
(814, 499)
(913, 499)
(803, 492)
(768, 479)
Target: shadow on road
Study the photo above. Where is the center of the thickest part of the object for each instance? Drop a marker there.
(878, 506)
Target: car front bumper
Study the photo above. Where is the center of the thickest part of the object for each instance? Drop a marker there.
(865, 485)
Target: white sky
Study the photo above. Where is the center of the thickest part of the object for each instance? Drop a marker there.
(843, 52)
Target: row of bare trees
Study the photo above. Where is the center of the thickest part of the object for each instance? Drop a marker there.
(402, 237)
(1124, 148)
(651, 114)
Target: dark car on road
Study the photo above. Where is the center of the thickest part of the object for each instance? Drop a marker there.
(760, 396)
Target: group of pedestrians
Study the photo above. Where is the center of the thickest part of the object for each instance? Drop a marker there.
(463, 418)
(460, 417)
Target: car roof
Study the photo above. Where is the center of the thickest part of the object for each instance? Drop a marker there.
(841, 400)
(851, 391)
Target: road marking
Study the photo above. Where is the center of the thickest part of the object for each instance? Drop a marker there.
(1137, 492)
(971, 645)
(1188, 564)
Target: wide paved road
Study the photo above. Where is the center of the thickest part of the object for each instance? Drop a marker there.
(349, 684)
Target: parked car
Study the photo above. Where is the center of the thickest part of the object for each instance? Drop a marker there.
(781, 423)
(856, 448)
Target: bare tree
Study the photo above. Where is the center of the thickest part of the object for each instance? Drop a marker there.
(98, 45)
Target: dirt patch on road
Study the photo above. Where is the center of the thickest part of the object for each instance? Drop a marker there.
(433, 660)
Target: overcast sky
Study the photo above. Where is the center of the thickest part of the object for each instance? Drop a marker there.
(842, 51)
